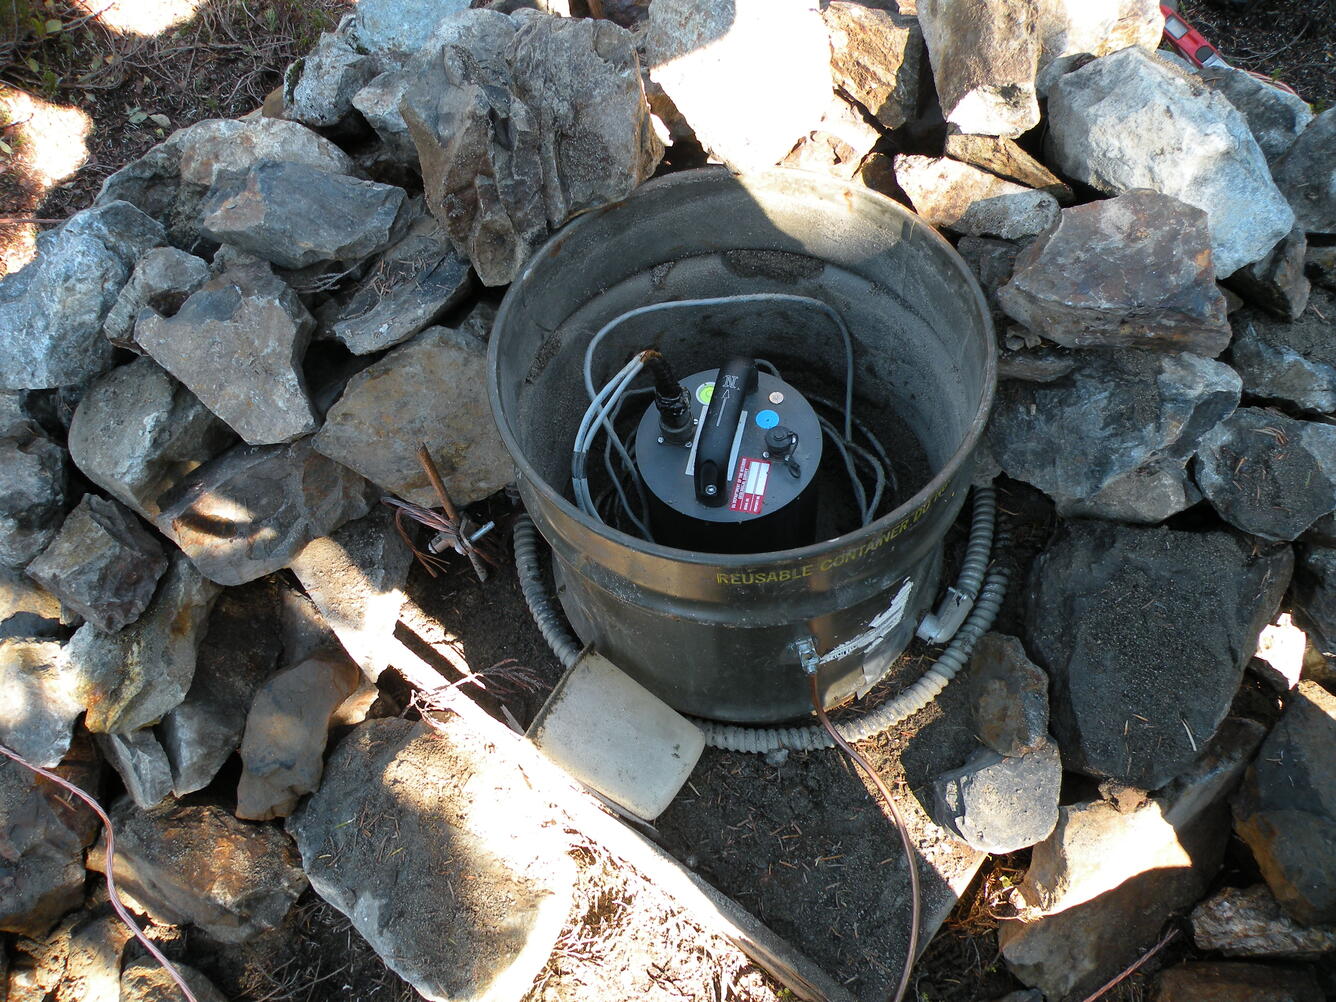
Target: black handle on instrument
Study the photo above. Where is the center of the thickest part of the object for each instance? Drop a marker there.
(733, 384)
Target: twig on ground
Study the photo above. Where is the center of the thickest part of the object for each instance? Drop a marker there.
(1133, 967)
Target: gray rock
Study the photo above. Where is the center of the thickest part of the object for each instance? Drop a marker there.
(318, 89)
(399, 28)
(410, 777)
(698, 51)
(41, 869)
(141, 763)
(128, 680)
(1132, 271)
(1215, 774)
(1234, 982)
(1134, 872)
(170, 180)
(250, 511)
(406, 290)
(296, 216)
(1268, 474)
(240, 650)
(1128, 121)
(52, 310)
(1072, 31)
(378, 423)
(1247, 922)
(1008, 696)
(992, 262)
(1005, 158)
(1032, 995)
(32, 494)
(519, 128)
(1035, 366)
(1145, 633)
(1277, 282)
(284, 745)
(103, 564)
(1314, 595)
(1291, 362)
(356, 577)
(198, 865)
(998, 804)
(1307, 175)
(305, 632)
(93, 968)
(244, 313)
(148, 981)
(1276, 117)
(28, 611)
(876, 57)
(1119, 423)
(378, 102)
(984, 59)
(137, 432)
(1286, 809)
(838, 144)
(161, 281)
(42, 700)
(973, 202)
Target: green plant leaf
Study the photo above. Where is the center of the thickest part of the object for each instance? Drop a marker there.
(53, 25)
(161, 120)
(8, 150)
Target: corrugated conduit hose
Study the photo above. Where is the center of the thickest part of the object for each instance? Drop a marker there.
(976, 578)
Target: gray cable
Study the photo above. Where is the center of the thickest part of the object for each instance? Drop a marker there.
(759, 740)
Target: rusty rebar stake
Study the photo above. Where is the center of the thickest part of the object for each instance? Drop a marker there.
(465, 545)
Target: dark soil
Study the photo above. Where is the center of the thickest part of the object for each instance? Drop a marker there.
(1291, 40)
(1313, 335)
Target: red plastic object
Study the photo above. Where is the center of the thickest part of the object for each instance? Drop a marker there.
(1187, 41)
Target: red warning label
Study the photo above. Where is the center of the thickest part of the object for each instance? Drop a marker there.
(749, 487)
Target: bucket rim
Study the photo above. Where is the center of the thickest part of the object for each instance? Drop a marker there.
(934, 489)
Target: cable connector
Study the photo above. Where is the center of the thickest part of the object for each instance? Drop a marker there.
(807, 655)
(940, 626)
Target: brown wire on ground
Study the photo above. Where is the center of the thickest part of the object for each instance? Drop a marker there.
(866, 766)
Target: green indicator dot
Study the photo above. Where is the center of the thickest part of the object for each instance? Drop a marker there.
(704, 392)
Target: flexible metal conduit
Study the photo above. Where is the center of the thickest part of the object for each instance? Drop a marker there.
(976, 578)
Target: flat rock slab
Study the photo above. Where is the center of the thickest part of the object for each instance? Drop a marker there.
(198, 865)
(41, 871)
(52, 310)
(406, 290)
(1128, 120)
(1277, 282)
(137, 431)
(33, 481)
(1099, 438)
(876, 56)
(1286, 809)
(425, 836)
(130, 678)
(250, 511)
(1275, 117)
(103, 564)
(39, 702)
(245, 313)
(1008, 696)
(985, 56)
(698, 52)
(282, 751)
(973, 202)
(1132, 271)
(170, 181)
(1145, 633)
(161, 281)
(1267, 473)
(1314, 595)
(1006, 159)
(1235, 982)
(383, 416)
(240, 650)
(1294, 363)
(141, 763)
(295, 216)
(1247, 922)
(27, 610)
(521, 123)
(356, 576)
(1307, 175)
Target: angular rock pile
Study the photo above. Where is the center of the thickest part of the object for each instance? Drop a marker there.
(209, 377)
